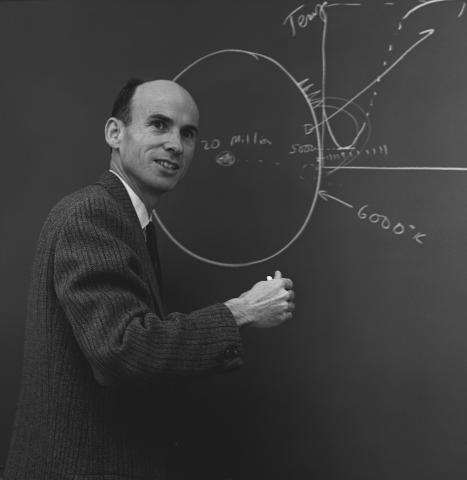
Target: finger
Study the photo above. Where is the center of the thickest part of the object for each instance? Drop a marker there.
(288, 284)
(291, 307)
(287, 295)
(277, 274)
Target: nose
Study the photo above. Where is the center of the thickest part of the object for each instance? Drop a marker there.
(174, 142)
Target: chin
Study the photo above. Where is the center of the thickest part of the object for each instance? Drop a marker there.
(163, 187)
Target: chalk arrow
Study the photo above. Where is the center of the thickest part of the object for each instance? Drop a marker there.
(325, 196)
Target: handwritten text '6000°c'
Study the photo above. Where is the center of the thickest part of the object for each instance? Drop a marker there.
(386, 224)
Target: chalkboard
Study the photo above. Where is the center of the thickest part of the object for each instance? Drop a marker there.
(333, 148)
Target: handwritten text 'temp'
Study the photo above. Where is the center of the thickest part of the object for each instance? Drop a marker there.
(295, 19)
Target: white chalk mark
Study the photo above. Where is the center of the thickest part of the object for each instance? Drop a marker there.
(418, 237)
(425, 4)
(362, 129)
(462, 11)
(358, 128)
(425, 35)
(324, 18)
(312, 95)
(289, 17)
(435, 169)
(343, 5)
(325, 117)
(324, 195)
(305, 89)
(252, 54)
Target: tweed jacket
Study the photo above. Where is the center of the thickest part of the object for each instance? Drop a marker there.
(100, 359)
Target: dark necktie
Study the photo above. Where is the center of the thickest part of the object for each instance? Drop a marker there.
(151, 243)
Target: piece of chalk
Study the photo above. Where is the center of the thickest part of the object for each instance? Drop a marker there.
(269, 277)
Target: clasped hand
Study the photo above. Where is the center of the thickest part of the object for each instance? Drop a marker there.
(267, 304)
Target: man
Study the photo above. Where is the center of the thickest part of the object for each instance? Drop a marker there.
(101, 357)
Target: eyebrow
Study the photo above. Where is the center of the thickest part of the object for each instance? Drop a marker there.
(159, 116)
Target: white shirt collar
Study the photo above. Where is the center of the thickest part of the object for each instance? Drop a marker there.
(141, 210)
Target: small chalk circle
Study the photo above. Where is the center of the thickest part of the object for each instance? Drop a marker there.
(269, 277)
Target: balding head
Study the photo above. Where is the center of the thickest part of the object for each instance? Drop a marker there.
(163, 88)
(123, 104)
(160, 93)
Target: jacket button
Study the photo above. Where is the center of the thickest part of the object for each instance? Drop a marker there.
(231, 352)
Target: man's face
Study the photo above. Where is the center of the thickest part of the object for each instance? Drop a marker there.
(157, 146)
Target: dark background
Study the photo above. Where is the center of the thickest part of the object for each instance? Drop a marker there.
(368, 381)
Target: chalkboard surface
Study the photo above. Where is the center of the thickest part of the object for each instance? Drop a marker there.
(333, 147)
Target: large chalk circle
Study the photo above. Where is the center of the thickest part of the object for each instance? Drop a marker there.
(251, 189)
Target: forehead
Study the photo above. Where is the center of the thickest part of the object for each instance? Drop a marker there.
(164, 98)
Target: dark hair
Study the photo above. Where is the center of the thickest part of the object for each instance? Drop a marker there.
(121, 108)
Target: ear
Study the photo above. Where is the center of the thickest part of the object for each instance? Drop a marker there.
(113, 132)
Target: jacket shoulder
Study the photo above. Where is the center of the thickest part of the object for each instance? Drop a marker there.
(82, 198)
(85, 202)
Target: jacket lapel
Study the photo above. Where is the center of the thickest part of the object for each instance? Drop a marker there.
(115, 187)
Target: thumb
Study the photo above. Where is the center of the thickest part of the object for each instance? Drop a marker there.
(277, 274)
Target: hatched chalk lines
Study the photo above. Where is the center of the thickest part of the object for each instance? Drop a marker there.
(326, 144)
(300, 18)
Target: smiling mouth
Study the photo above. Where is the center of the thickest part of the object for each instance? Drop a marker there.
(168, 164)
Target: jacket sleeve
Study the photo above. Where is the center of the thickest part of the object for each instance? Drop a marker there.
(100, 285)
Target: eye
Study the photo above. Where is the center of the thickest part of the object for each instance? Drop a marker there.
(189, 133)
(159, 124)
